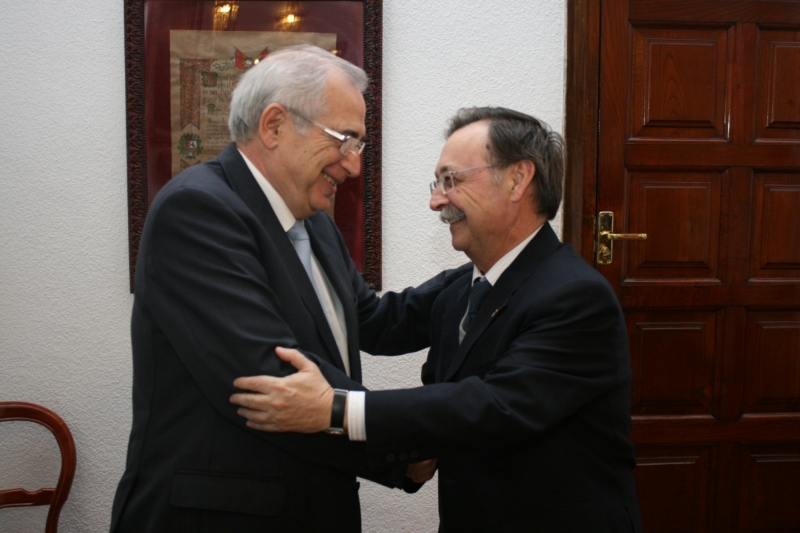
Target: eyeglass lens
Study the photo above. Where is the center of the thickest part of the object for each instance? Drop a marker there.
(445, 181)
(351, 144)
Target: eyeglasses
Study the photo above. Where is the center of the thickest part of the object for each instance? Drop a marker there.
(350, 144)
(448, 181)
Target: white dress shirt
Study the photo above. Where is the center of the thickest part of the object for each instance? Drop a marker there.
(356, 400)
(331, 305)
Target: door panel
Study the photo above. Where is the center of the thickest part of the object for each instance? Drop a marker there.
(680, 213)
(674, 353)
(699, 147)
(778, 108)
(772, 348)
(683, 474)
(769, 499)
(776, 244)
(680, 81)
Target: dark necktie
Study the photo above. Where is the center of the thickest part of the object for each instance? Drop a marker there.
(476, 296)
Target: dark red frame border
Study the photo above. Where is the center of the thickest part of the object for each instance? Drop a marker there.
(137, 156)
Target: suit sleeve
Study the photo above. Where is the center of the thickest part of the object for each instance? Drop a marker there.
(208, 291)
(399, 322)
(566, 353)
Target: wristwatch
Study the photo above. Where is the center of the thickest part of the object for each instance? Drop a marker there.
(337, 412)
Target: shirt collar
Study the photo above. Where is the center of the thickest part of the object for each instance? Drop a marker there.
(504, 262)
(282, 211)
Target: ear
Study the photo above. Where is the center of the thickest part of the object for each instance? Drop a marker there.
(522, 173)
(272, 119)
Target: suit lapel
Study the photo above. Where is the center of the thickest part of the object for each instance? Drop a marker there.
(334, 270)
(246, 187)
(244, 184)
(451, 322)
(543, 245)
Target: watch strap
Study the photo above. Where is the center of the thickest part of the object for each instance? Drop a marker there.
(337, 411)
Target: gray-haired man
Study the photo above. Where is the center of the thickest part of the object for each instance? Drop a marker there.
(237, 258)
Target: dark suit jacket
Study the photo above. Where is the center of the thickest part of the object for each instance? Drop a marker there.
(218, 287)
(530, 415)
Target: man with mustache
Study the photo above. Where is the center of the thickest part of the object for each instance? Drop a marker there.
(526, 396)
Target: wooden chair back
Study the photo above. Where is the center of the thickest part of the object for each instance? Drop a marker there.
(54, 497)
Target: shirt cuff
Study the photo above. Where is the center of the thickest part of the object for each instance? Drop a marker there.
(356, 410)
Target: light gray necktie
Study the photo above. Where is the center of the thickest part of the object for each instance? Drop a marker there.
(302, 245)
(299, 237)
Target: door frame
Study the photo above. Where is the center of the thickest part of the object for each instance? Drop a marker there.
(581, 104)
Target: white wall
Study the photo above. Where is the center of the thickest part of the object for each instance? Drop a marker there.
(64, 301)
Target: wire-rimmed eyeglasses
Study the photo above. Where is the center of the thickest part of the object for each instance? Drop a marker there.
(448, 181)
(350, 144)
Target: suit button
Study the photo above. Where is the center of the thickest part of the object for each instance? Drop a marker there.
(403, 456)
(414, 454)
(390, 458)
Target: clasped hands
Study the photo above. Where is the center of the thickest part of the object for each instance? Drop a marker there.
(300, 402)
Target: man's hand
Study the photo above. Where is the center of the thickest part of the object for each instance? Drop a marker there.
(422, 471)
(299, 402)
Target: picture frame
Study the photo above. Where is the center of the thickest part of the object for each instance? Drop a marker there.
(153, 142)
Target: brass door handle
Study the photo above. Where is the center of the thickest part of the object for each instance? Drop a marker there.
(606, 237)
(621, 236)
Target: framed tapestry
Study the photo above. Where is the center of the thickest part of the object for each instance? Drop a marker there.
(182, 60)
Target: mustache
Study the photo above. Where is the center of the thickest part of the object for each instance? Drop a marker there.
(451, 215)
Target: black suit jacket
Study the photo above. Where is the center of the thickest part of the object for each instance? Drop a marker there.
(218, 287)
(530, 415)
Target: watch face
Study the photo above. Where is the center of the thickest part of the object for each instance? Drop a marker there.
(335, 431)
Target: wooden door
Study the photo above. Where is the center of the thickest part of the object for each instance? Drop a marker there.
(698, 146)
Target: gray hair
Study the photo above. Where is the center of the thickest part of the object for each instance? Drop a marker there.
(515, 136)
(295, 77)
